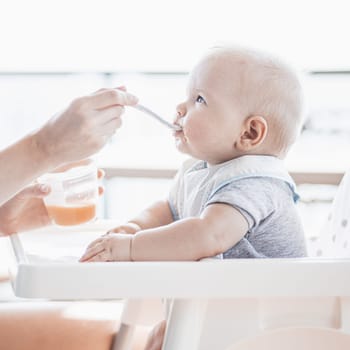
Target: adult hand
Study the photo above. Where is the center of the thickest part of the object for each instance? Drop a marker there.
(84, 127)
(27, 211)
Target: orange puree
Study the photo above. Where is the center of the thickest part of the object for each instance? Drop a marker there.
(67, 216)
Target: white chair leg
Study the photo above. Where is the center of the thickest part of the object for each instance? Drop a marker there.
(184, 326)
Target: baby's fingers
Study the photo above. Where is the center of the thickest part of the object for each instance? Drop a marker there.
(95, 242)
(102, 256)
(118, 229)
(91, 251)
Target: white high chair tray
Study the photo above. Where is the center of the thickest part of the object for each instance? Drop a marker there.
(216, 279)
(56, 276)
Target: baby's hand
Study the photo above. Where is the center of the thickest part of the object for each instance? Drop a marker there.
(109, 247)
(129, 227)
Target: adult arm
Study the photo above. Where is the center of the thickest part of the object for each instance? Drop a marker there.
(80, 130)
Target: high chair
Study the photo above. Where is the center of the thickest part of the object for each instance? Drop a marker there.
(236, 304)
(274, 304)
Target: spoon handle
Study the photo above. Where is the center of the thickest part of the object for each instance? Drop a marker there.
(156, 116)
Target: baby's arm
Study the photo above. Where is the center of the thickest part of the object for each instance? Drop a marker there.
(157, 214)
(219, 227)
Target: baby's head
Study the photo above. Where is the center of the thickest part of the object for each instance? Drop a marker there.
(239, 102)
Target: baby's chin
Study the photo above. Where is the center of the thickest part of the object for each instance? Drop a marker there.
(181, 145)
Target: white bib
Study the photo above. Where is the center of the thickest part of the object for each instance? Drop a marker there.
(196, 185)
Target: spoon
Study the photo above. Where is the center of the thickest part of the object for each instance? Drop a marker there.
(157, 117)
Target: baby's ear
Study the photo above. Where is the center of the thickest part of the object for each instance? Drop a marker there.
(253, 134)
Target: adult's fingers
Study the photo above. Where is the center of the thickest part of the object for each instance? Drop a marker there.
(37, 190)
(105, 116)
(100, 173)
(112, 125)
(121, 87)
(110, 97)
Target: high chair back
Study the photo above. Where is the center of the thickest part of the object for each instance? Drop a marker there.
(334, 238)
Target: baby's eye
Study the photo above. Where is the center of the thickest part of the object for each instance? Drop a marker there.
(200, 99)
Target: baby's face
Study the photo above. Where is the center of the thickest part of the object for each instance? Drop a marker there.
(210, 116)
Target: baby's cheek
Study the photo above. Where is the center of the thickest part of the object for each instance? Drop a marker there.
(196, 134)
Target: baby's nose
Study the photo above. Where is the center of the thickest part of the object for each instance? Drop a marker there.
(181, 109)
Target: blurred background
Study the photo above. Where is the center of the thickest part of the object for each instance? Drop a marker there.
(54, 51)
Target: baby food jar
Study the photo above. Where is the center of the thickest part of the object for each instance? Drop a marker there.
(74, 194)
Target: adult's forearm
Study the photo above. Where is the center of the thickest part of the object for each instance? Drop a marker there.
(20, 164)
(81, 130)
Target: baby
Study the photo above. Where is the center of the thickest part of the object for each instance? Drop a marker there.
(241, 115)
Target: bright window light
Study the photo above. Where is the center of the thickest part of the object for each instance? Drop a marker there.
(161, 35)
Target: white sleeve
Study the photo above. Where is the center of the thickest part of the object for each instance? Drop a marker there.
(175, 197)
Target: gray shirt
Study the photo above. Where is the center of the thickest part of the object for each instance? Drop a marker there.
(260, 188)
(274, 226)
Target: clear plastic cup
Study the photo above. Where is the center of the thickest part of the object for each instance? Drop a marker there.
(74, 195)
